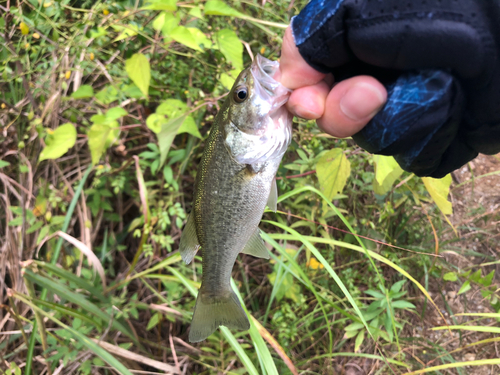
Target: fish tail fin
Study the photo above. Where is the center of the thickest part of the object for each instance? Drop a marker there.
(211, 312)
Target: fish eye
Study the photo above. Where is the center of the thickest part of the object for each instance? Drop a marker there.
(240, 94)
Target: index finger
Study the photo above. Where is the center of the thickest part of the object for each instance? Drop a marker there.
(295, 71)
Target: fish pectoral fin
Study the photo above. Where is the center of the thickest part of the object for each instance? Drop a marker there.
(210, 312)
(272, 201)
(189, 244)
(255, 246)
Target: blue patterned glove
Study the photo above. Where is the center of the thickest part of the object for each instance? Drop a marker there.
(440, 63)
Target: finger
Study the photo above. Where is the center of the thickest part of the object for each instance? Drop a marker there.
(309, 102)
(295, 72)
(351, 104)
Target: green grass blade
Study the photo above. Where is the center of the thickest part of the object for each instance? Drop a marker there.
(479, 362)
(79, 300)
(240, 352)
(85, 341)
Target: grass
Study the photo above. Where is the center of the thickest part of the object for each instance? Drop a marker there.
(332, 297)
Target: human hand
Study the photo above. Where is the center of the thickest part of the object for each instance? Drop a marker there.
(340, 111)
(439, 61)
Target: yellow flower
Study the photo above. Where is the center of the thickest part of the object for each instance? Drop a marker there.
(262, 50)
(105, 12)
(3, 106)
(36, 35)
(314, 264)
(24, 28)
(68, 74)
(91, 55)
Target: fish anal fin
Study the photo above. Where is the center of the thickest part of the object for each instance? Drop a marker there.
(255, 246)
(189, 243)
(210, 312)
(272, 201)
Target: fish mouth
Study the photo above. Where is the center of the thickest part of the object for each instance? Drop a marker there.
(266, 77)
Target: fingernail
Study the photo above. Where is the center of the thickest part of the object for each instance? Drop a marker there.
(307, 114)
(362, 101)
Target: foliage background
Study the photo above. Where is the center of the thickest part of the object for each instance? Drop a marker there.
(104, 109)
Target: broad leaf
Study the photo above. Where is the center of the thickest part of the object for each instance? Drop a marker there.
(166, 136)
(170, 22)
(220, 8)
(333, 169)
(182, 35)
(168, 5)
(387, 171)
(59, 142)
(439, 190)
(139, 71)
(84, 91)
(231, 47)
(97, 138)
(228, 79)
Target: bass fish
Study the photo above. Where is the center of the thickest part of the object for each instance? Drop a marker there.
(235, 180)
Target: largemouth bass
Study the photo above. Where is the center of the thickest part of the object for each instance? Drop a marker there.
(235, 180)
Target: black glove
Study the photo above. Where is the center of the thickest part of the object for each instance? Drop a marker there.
(439, 60)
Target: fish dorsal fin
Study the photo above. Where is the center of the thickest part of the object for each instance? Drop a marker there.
(255, 246)
(272, 201)
(189, 244)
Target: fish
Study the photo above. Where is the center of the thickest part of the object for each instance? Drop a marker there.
(235, 180)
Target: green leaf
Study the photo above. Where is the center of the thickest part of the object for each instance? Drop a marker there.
(170, 23)
(387, 171)
(450, 276)
(100, 137)
(359, 340)
(166, 136)
(139, 71)
(155, 121)
(153, 322)
(487, 280)
(4, 163)
(219, 8)
(228, 79)
(168, 5)
(402, 305)
(189, 126)
(439, 190)
(126, 31)
(159, 21)
(59, 142)
(107, 95)
(397, 286)
(465, 287)
(333, 169)
(231, 47)
(199, 37)
(184, 36)
(195, 12)
(115, 113)
(84, 91)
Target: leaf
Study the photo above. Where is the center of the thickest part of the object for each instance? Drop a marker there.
(168, 5)
(155, 121)
(159, 21)
(166, 136)
(439, 190)
(450, 276)
(219, 8)
(231, 47)
(126, 31)
(170, 23)
(465, 287)
(4, 163)
(98, 139)
(84, 91)
(189, 126)
(402, 305)
(333, 169)
(139, 71)
(228, 79)
(199, 37)
(182, 35)
(359, 340)
(387, 171)
(153, 322)
(115, 113)
(195, 12)
(107, 95)
(59, 142)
